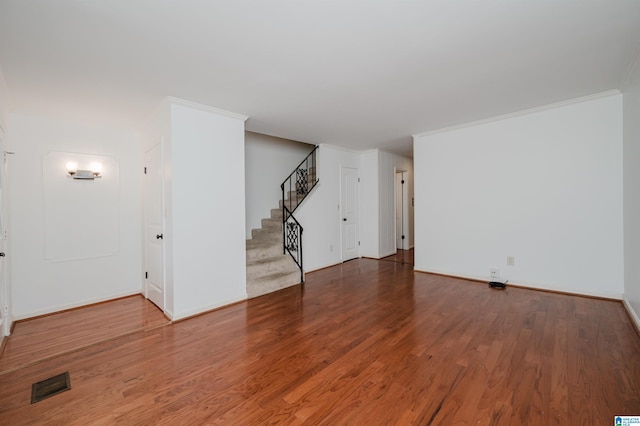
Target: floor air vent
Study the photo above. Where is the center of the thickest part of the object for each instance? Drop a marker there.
(49, 387)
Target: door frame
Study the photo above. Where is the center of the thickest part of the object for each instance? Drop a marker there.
(404, 208)
(341, 211)
(146, 235)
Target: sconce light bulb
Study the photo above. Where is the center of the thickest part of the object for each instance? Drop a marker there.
(96, 168)
(72, 167)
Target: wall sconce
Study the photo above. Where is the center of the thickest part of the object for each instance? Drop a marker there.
(94, 172)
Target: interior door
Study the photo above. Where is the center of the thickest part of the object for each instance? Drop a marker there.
(154, 226)
(399, 211)
(349, 213)
(402, 210)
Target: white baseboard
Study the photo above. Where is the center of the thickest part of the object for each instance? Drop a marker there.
(532, 286)
(328, 265)
(632, 313)
(168, 314)
(64, 307)
(207, 308)
(577, 292)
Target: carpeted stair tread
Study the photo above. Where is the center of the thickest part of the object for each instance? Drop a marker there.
(273, 282)
(268, 269)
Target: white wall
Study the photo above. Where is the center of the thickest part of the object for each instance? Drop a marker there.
(4, 101)
(268, 161)
(5, 262)
(207, 208)
(369, 205)
(545, 187)
(319, 215)
(632, 192)
(40, 285)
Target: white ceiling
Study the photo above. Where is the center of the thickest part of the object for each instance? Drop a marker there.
(358, 74)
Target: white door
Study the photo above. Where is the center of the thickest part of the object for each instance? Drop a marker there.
(402, 208)
(399, 211)
(154, 226)
(349, 213)
(5, 295)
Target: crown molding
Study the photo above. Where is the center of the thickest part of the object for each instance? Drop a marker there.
(207, 108)
(341, 148)
(520, 113)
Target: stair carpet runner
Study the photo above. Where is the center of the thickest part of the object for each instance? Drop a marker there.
(268, 269)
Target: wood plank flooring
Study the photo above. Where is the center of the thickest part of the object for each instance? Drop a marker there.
(48, 336)
(401, 256)
(366, 342)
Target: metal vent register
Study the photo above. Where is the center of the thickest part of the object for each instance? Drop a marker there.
(50, 387)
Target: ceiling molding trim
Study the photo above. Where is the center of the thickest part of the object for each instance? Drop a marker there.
(520, 113)
(342, 148)
(628, 75)
(207, 108)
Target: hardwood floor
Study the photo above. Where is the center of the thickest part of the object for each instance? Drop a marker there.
(48, 336)
(401, 256)
(366, 342)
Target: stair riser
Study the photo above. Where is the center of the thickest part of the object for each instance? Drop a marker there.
(311, 177)
(292, 192)
(293, 195)
(266, 235)
(268, 286)
(253, 276)
(263, 253)
(264, 269)
(273, 224)
(310, 181)
(290, 204)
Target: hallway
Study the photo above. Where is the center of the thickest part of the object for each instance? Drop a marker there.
(402, 256)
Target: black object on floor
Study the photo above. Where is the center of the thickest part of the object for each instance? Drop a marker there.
(49, 387)
(498, 285)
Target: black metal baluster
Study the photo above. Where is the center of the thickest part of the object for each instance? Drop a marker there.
(291, 228)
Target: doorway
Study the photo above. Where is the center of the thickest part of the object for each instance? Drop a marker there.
(349, 213)
(154, 226)
(402, 210)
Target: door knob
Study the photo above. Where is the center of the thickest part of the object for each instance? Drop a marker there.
(159, 237)
(344, 219)
(2, 254)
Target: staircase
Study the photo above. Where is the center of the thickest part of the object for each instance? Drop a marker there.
(274, 252)
(267, 268)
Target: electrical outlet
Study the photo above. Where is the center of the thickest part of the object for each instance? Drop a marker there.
(494, 272)
(511, 260)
